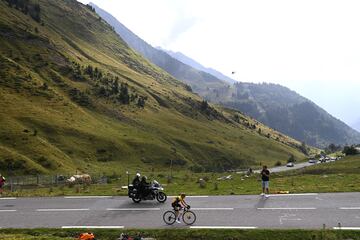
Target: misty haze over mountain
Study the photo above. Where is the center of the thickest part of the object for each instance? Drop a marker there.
(317, 56)
(274, 105)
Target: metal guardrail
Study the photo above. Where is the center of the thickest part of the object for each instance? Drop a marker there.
(37, 181)
(14, 183)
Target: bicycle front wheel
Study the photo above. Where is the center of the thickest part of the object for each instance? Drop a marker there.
(189, 217)
(169, 217)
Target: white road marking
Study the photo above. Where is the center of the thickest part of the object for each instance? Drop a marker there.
(8, 198)
(92, 227)
(197, 196)
(8, 210)
(286, 208)
(133, 209)
(63, 210)
(288, 217)
(191, 196)
(86, 197)
(212, 209)
(294, 194)
(350, 208)
(346, 228)
(158, 209)
(222, 227)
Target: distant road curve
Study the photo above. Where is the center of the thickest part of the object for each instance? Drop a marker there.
(296, 166)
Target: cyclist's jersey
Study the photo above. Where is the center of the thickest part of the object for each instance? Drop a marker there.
(178, 200)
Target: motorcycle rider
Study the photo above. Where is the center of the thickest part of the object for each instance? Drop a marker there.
(2, 183)
(136, 180)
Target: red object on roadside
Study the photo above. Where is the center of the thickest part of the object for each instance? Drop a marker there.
(86, 236)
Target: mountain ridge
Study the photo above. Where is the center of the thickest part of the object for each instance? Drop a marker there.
(191, 62)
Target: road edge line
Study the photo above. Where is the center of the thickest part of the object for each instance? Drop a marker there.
(223, 227)
(92, 227)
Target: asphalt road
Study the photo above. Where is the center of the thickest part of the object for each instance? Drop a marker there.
(309, 211)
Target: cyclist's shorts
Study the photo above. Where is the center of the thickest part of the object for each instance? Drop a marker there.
(176, 206)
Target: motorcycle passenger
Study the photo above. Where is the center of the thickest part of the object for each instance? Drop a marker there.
(178, 204)
(144, 186)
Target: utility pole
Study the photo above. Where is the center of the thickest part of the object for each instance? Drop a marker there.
(171, 163)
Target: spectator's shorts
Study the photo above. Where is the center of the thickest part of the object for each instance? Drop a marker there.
(265, 184)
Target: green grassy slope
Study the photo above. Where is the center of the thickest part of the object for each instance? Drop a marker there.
(339, 176)
(57, 115)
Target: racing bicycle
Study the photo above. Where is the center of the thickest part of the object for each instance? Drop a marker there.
(188, 216)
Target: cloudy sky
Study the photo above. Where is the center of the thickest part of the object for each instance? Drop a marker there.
(312, 47)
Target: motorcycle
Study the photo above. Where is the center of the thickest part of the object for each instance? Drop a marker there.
(155, 191)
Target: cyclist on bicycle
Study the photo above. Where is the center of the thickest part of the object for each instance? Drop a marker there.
(178, 204)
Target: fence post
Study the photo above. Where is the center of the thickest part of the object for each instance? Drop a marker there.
(37, 179)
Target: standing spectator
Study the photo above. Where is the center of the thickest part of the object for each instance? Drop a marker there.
(2, 183)
(265, 178)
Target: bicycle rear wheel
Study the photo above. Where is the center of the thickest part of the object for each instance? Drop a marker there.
(169, 217)
(189, 217)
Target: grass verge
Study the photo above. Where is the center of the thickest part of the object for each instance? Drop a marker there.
(340, 176)
(181, 234)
